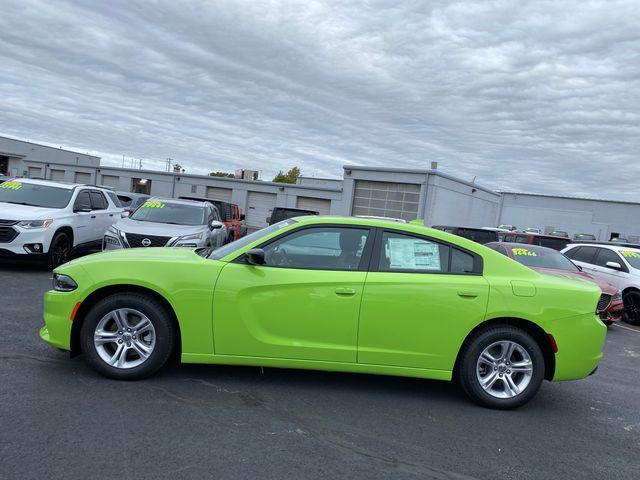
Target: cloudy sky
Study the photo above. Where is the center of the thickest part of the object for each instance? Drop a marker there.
(540, 96)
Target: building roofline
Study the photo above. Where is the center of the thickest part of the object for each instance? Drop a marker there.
(569, 197)
(47, 146)
(421, 171)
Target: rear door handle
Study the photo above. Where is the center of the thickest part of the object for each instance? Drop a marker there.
(93, 216)
(111, 214)
(467, 294)
(345, 291)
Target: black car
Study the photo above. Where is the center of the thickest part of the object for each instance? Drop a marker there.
(282, 213)
(479, 235)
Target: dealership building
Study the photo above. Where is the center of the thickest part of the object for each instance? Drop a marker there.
(428, 194)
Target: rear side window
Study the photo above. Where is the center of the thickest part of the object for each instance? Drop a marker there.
(124, 201)
(412, 254)
(98, 202)
(583, 254)
(480, 236)
(461, 262)
(555, 243)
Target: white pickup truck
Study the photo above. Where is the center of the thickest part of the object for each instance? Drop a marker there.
(47, 221)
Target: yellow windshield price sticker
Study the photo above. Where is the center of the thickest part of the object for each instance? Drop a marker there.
(11, 185)
(524, 251)
(153, 205)
(630, 254)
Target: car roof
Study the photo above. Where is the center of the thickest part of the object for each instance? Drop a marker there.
(49, 183)
(613, 246)
(202, 199)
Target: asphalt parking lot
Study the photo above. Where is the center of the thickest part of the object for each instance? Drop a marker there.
(59, 419)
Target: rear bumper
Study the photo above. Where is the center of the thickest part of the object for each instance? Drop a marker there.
(580, 340)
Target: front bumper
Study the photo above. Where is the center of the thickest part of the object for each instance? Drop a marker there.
(111, 242)
(614, 311)
(580, 340)
(25, 238)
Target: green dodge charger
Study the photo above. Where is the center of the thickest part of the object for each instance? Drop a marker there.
(332, 293)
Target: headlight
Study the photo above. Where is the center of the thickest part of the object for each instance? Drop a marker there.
(617, 295)
(35, 223)
(111, 240)
(63, 283)
(195, 236)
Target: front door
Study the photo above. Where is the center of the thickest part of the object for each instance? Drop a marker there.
(421, 298)
(303, 303)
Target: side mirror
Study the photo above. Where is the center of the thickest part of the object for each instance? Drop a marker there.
(214, 225)
(613, 265)
(255, 256)
(82, 208)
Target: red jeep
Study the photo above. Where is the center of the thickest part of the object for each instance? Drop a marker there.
(231, 216)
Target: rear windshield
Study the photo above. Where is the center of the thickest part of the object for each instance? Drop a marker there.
(173, 213)
(532, 256)
(34, 195)
(555, 243)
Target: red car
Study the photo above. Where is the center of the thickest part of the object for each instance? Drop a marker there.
(548, 260)
(551, 241)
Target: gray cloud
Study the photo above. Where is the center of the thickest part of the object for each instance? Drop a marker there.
(535, 96)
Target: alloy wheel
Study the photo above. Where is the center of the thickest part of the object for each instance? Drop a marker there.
(124, 338)
(504, 369)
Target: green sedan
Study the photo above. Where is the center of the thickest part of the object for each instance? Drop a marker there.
(332, 293)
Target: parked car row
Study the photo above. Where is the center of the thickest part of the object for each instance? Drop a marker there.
(49, 221)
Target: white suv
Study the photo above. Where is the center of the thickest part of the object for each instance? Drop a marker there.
(618, 265)
(47, 220)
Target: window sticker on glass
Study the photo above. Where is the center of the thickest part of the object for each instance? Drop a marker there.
(154, 204)
(630, 254)
(412, 254)
(524, 251)
(11, 185)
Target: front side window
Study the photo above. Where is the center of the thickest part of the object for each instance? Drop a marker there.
(83, 201)
(318, 248)
(35, 195)
(98, 202)
(605, 255)
(158, 211)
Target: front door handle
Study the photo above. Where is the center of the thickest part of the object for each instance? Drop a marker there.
(345, 291)
(467, 294)
(93, 216)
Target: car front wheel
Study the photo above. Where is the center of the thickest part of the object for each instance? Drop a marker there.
(631, 302)
(127, 336)
(501, 367)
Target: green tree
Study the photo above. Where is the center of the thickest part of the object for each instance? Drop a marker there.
(222, 174)
(290, 177)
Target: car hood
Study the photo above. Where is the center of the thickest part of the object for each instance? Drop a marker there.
(12, 211)
(604, 286)
(128, 225)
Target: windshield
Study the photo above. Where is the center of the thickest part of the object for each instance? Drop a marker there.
(540, 257)
(247, 239)
(34, 194)
(166, 212)
(632, 257)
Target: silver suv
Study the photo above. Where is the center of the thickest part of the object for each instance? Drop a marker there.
(168, 223)
(618, 265)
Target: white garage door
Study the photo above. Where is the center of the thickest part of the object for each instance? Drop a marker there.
(82, 177)
(57, 175)
(386, 199)
(320, 205)
(34, 172)
(223, 194)
(110, 181)
(259, 206)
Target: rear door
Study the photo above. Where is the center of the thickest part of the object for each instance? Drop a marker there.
(421, 298)
(102, 216)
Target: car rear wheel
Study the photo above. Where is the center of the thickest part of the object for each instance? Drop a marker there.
(631, 302)
(127, 336)
(59, 250)
(501, 367)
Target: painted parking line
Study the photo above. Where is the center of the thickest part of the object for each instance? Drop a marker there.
(627, 328)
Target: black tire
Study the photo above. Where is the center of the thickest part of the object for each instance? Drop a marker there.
(631, 302)
(165, 337)
(468, 364)
(59, 250)
(608, 323)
